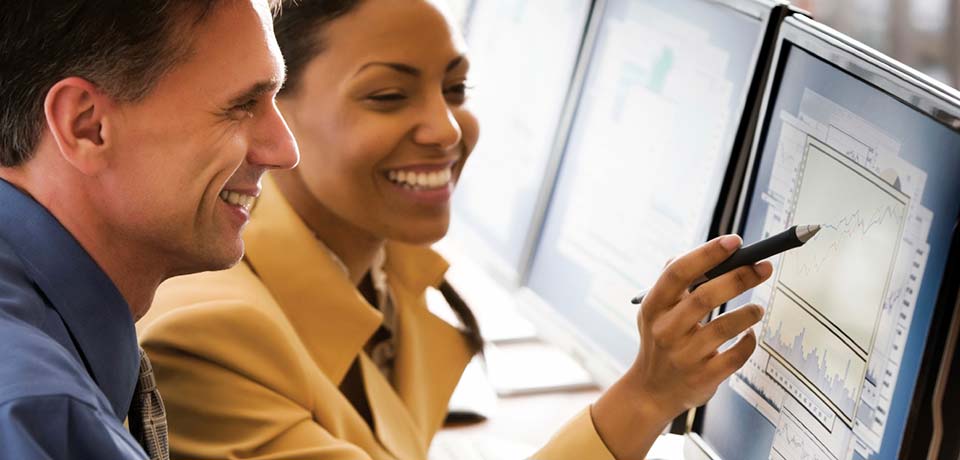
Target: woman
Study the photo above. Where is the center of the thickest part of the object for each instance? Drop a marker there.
(319, 345)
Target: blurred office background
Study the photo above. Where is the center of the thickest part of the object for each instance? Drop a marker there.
(923, 34)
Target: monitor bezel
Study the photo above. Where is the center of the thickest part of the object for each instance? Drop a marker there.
(772, 14)
(919, 92)
(473, 247)
(560, 139)
(929, 96)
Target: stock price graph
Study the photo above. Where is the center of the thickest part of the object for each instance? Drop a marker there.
(830, 295)
(843, 273)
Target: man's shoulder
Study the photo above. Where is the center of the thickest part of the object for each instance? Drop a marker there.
(49, 406)
(19, 296)
(33, 362)
(36, 365)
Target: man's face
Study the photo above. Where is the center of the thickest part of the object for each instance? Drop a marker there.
(188, 158)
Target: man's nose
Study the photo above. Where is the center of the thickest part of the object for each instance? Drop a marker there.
(273, 146)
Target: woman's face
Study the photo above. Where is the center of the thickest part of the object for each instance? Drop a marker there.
(381, 120)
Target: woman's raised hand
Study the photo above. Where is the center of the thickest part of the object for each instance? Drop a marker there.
(679, 365)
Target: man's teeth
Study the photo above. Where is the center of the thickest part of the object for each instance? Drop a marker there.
(238, 199)
(421, 180)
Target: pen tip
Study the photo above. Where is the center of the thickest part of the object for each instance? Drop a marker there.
(805, 232)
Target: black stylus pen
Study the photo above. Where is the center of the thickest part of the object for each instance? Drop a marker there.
(790, 238)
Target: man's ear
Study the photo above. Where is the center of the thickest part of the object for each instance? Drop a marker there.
(77, 116)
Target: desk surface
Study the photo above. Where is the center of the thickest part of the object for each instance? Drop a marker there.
(521, 424)
(516, 427)
(530, 419)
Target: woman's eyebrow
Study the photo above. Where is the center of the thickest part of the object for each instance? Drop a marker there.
(409, 69)
(402, 68)
(456, 62)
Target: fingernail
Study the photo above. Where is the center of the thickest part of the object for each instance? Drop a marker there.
(760, 312)
(764, 269)
(730, 242)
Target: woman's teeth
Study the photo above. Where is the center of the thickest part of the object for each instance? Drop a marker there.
(238, 199)
(421, 180)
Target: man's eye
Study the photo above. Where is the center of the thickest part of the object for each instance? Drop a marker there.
(247, 106)
(242, 111)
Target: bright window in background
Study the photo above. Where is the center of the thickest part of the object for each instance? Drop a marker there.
(923, 34)
(460, 9)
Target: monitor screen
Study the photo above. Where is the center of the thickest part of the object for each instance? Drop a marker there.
(848, 313)
(645, 160)
(523, 54)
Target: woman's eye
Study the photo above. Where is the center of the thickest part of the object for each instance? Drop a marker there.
(457, 93)
(387, 97)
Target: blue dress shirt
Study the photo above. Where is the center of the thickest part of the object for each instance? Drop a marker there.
(69, 359)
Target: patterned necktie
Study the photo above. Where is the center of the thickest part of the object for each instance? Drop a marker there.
(147, 418)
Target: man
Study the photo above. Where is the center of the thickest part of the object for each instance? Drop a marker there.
(133, 135)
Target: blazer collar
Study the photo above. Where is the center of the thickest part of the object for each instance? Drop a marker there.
(304, 277)
(414, 267)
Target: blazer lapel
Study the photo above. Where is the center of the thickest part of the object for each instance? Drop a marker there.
(395, 427)
(329, 314)
(431, 354)
(303, 277)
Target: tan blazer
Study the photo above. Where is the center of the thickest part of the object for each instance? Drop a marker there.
(248, 360)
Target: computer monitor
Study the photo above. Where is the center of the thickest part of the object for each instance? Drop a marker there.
(523, 57)
(856, 319)
(664, 106)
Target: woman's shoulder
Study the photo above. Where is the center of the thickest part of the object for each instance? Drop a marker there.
(223, 305)
(228, 319)
(238, 287)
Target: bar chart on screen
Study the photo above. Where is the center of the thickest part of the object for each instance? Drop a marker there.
(818, 355)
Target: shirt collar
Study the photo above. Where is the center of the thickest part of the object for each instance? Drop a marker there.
(92, 307)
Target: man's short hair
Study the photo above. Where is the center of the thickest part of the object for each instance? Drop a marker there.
(122, 46)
